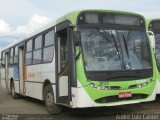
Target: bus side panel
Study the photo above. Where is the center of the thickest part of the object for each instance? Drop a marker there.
(34, 90)
(3, 81)
(48, 73)
(36, 75)
(16, 83)
(28, 89)
(33, 81)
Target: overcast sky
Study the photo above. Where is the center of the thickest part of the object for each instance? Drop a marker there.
(19, 17)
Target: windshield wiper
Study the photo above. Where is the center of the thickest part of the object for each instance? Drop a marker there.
(104, 34)
(115, 44)
(129, 35)
(126, 47)
(126, 40)
(110, 38)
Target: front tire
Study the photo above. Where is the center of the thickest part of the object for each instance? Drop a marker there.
(51, 107)
(14, 94)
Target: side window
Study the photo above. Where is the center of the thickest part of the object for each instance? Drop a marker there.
(38, 42)
(11, 57)
(48, 54)
(3, 59)
(29, 46)
(48, 50)
(16, 55)
(28, 58)
(37, 53)
(28, 54)
(49, 38)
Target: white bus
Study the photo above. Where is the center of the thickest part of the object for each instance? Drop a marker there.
(87, 58)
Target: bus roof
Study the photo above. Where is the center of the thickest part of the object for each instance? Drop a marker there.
(72, 17)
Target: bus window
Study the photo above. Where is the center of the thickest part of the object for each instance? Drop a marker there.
(11, 57)
(64, 52)
(63, 49)
(38, 42)
(3, 60)
(49, 38)
(48, 54)
(16, 55)
(37, 53)
(37, 56)
(28, 55)
(29, 46)
(28, 58)
(48, 51)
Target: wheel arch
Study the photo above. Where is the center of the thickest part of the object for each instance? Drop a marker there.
(46, 82)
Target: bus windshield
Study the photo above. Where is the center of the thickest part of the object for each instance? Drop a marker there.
(155, 28)
(115, 50)
(157, 48)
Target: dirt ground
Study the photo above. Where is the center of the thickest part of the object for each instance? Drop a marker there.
(32, 109)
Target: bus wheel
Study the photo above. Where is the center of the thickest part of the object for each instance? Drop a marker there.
(51, 107)
(14, 94)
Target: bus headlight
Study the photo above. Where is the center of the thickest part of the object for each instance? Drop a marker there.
(139, 86)
(103, 87)
(149, 81)
(99, 87)
(144, 84)
(106, 88)
(92, 85)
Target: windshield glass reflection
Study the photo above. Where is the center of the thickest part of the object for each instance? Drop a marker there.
(115, 50)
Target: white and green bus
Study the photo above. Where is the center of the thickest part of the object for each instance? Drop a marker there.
(153, 27)
(87, 58)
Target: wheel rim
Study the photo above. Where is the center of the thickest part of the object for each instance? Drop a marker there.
(49, 99)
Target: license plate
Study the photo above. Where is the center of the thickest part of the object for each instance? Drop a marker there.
(125, 95)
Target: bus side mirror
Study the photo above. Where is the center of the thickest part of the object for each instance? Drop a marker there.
(152, 39)
(76, 37)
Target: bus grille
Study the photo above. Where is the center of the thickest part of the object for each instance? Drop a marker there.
(116, 99)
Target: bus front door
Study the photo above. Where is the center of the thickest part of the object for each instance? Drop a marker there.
(21, 70)
(63, 88)
(7, 70)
